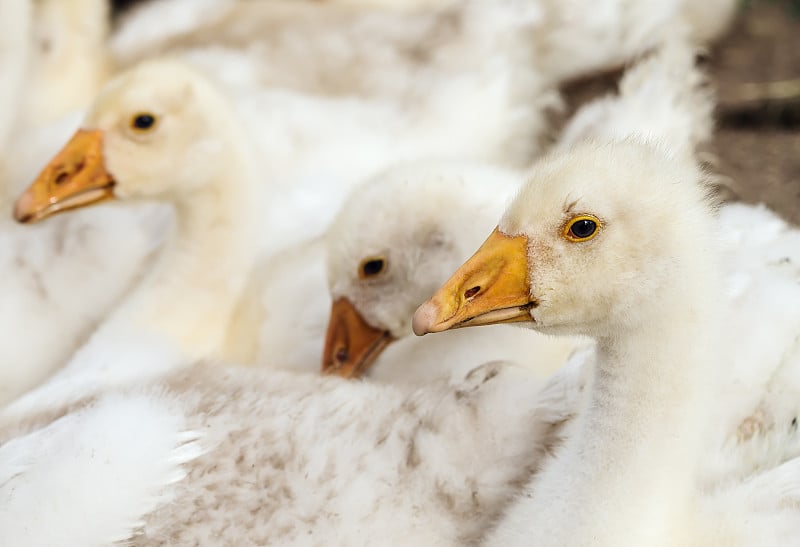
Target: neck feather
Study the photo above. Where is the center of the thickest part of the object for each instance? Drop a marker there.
(626, 475)
(191, 293)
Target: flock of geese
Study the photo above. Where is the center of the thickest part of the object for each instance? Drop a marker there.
(214, 201)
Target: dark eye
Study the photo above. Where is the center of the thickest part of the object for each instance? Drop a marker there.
(581, 228)
(371, 267)
(143, 122)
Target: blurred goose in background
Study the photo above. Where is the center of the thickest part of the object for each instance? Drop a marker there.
(159, 132)
(707, 20)
(585, 38)
(52, 294)
(317, 44)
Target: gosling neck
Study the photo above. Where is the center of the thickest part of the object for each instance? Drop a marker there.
(191, 293)
(626, 475)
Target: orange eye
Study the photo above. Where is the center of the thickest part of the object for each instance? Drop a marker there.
(143, 122)
(371, 267)
(582, 228)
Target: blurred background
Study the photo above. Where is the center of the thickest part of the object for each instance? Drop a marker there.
(756, 69)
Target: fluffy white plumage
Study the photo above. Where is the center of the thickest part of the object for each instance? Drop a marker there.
(112, 461)
(724, 378)
(292, 460)
(271, 453)
(665, 99)
(67, 276)
(664, 356)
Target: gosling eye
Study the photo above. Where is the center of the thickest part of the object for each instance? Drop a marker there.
(371, 267)
(582, 228)
(143, 122)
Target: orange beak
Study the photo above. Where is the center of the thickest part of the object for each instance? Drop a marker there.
(75, 178)
(352, 344)
(491, 287)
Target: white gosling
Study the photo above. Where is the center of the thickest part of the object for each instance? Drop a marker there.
(618, 242)
(665, 97)
(177, 142)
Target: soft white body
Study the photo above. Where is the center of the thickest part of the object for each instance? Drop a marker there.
(292, 308)
(63, 279)
(291, 460)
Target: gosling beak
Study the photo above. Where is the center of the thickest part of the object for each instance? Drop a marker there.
(491, 287)
(352, 344)
(75, 177)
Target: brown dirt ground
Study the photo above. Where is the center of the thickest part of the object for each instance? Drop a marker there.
(756, 71)
(758, 140)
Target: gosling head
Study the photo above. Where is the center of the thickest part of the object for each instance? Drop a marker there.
(397, 238)
(157, 132)
(597, 240)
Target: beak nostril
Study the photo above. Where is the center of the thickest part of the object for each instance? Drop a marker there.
(472, 292)
(68, 171)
